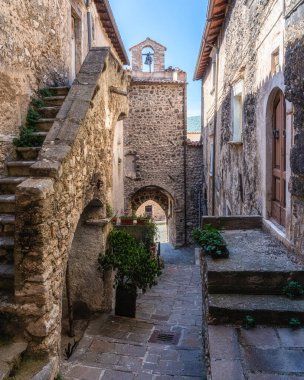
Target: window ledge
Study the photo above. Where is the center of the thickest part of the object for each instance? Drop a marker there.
(235, 143)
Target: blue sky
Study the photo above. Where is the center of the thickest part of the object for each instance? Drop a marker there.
(177, 24)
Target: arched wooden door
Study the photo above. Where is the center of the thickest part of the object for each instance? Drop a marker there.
(278, 204)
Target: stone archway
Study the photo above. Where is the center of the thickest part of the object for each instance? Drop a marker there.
(163, 199)
(85, 291)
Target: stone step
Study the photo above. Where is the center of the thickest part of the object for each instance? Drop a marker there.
(7, 225)
(44, 125)
(52, 101)
(60, 91)
(10, 357)
(27, 153)
(251, 282)
(19, 168)
(258, 264)
(8, 184)
(6, 276)
(7, 248)
(7, 203)
(49, 112)
(265, 309)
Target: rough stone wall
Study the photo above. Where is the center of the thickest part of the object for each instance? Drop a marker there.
(159, 55)
(154, 145)
(194, 180)
(74, 169)
(294, 80)
(243, 55)
(34, 52)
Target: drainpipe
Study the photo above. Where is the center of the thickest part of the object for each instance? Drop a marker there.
(89, 22)
(215, 126)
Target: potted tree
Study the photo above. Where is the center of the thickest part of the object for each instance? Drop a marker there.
(134, 269)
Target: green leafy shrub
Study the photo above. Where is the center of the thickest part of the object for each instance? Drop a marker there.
(249, 322)
(32, 116)
(27, 138)
(211, 240)
(37, 103)
(45, 92)
(293, 289)
(294, 322)
(131, 260)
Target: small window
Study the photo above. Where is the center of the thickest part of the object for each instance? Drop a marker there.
(237, 111)
(148, 210)
(275, 62)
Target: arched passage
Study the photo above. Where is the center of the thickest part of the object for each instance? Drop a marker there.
(163, 199)
(276, 157)
(85, 291)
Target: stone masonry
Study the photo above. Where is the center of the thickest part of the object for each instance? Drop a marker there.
(72, 172)
(294, 93)
(155, 137)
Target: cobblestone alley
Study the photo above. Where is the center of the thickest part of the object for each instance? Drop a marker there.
(163, 342)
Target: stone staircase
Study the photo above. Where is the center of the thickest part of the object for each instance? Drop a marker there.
(17, 170)
(250, 281)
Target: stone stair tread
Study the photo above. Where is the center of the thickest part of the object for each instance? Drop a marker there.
(6, 180)
(45, 120)
(7, 241)
(40, 133)
(6, 270)
(253, 250)
(10, 355)
(7, 198)
(20, 163)
(256, 302)
(55, 97)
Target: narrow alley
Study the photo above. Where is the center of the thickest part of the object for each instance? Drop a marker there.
(163, 342)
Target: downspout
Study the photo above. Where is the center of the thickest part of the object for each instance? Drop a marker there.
(185, 159)
(89, 22)
(215, 127)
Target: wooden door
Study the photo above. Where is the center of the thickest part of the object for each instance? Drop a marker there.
(278, 207)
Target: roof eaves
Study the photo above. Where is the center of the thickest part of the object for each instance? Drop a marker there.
(112, 29)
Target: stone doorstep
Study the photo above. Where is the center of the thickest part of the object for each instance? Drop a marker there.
(266, 309)
(261, 353)
(10, 356)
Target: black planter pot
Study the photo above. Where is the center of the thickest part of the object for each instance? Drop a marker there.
(125, 304)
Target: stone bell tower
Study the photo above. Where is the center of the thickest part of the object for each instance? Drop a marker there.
(155, 136)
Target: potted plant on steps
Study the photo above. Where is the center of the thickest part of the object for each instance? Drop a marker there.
(134, 268)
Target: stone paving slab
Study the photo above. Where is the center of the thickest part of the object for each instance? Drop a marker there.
(261, 353)
(118, 348)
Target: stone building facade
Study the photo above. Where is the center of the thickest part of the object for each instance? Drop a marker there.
(155, 135)
(64, 195)
(248, 111)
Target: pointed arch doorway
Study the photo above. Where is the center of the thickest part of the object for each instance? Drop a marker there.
(278, 202)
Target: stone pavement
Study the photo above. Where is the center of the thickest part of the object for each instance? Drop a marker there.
(261, 353)
(164, 341)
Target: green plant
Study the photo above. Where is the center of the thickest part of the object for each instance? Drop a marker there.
(151, 233)
(131, 260)
(293, 289)
(59, 377)
(249, 322)
(37, 103)
(32, 116)
(45, 92)
(211, 240)
(294, 322)
(27, 138)
(109, 210)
